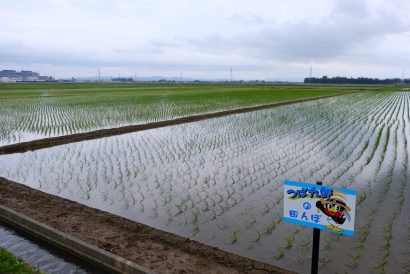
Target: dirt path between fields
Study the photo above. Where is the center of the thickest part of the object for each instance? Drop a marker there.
(157, 250)
(77, 137)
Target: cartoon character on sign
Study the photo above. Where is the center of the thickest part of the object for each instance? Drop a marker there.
(336, 209)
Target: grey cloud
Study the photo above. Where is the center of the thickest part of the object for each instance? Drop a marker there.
(330, 39)
(353, 33)
(250, 19)
(327, 40)
(351, 8)
(18, 52)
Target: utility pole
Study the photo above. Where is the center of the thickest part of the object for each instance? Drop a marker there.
(99, 75)
(310, 71)
(231, 75)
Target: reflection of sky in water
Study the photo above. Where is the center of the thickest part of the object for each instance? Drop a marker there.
(57, 116)
(20, 136)
(220, 181)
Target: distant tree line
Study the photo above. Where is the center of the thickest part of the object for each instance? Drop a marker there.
(360, 80)
(119, 79)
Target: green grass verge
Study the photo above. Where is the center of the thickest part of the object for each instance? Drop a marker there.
(11, 264)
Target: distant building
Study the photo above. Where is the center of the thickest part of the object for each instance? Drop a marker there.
(4, 79)
(27, 74)
(7, 76)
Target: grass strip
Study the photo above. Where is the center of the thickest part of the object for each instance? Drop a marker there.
(12, 264)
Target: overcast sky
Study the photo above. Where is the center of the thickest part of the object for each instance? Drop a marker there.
(272, 39)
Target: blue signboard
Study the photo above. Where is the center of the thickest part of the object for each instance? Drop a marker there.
(324, 207)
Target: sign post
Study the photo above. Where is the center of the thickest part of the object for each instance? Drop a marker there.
(315, 248)
(321, 207)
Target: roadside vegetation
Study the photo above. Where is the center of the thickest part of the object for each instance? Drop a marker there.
(10, 264)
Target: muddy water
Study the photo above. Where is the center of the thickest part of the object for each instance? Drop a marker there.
(220, 181)
(41, 256)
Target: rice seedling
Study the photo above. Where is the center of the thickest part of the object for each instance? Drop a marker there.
(224, 176)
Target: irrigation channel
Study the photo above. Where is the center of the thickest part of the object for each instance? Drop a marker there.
(220, 181)
(41, 256)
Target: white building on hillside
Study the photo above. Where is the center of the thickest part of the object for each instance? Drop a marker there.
(4, 79)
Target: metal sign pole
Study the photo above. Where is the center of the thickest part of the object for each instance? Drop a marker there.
(321, 207)
(315, 247)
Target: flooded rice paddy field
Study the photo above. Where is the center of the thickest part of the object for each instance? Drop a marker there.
(220, 181)
(30, 112)
(26, 119)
